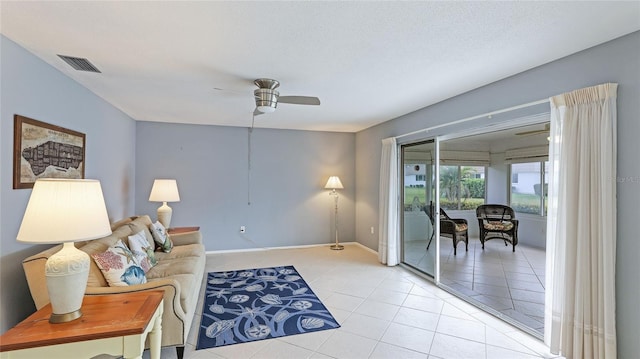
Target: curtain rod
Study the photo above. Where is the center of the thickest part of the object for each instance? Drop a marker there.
(539, 102)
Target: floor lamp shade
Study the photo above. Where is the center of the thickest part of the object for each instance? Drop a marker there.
(334, 183)
(65, 211)
(164, 190)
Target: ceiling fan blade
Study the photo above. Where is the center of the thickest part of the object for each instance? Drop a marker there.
(299, 100)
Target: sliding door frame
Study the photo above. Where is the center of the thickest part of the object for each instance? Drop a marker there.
(531, 119)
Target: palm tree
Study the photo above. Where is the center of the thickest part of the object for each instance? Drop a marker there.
(449, 182)
(452, 185)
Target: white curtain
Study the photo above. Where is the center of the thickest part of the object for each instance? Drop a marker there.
(581, 224)
(388, 240)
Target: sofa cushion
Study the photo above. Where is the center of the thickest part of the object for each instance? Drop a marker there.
(169, 267)
(188, 250)
(122, 222)
(119, 266)
(122, 232)
(142, 251)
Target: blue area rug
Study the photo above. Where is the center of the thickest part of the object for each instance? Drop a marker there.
(254, 304)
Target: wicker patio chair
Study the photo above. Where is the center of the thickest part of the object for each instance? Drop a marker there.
(497, 221)
(455, 228)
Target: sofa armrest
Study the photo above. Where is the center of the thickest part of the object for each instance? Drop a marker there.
(181, 239)
(173, 318)
(170, 287)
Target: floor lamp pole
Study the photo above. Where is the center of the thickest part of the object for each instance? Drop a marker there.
(336, 246)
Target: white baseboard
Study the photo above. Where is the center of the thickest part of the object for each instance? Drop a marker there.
(366, 248)
(289, 247)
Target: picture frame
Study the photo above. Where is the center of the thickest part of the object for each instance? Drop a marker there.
(43, 150)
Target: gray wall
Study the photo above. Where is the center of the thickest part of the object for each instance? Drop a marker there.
(615, 61)
(288, 172)
(34, 89)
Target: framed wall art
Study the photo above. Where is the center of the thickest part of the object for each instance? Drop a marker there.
(42, 150)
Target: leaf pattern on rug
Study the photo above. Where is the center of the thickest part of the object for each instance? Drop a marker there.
(255, 304)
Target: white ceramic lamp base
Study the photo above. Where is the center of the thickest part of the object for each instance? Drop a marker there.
(67, 272)
(164, 215)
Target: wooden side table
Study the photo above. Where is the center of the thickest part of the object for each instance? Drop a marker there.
(114, 324)
(177, 230)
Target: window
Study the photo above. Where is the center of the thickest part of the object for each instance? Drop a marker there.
(527, 195)
(462, 187)
(416, 185)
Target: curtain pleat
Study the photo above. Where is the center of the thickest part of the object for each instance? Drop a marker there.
(581, 224)
(388, 240)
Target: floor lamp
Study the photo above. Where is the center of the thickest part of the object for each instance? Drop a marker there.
(334, 183)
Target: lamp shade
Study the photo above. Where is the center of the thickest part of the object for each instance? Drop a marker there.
(64, 210)
(334, 183)
(164, 190)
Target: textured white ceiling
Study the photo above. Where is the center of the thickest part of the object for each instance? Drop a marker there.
(368, 62)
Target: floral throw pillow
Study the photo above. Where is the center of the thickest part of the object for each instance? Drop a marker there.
(119, 266)
(142, 251)
(161, 237)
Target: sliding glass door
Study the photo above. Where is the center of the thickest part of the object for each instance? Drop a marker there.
(505, 166)
(417, 181)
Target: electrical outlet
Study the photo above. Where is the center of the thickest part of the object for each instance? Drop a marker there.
(372, 231)
(243, 229)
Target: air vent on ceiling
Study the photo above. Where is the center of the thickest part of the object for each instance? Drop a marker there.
(79, 64)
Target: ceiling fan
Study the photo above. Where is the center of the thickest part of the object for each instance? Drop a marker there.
(546, 129)
(267, 97)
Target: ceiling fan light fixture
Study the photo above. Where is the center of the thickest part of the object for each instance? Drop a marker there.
(267, 109)
(266, 100)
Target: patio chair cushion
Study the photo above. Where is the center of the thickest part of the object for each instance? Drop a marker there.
(498, 225)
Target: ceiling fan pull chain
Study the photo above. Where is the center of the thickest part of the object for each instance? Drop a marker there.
(249, 131)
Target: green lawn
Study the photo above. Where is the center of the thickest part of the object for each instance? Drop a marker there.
(525, 203)
(521, 202)
(411, 192)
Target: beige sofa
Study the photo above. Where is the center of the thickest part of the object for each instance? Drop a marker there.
(179, 274)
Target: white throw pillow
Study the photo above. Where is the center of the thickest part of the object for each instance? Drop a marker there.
(119, 266)
(161, 237)
(142, 251)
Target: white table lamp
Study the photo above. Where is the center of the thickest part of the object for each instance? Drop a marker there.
(334, 183)
(67, 211)
(164, 190)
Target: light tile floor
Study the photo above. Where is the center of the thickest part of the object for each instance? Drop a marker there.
(510, 282)
(385, 312)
